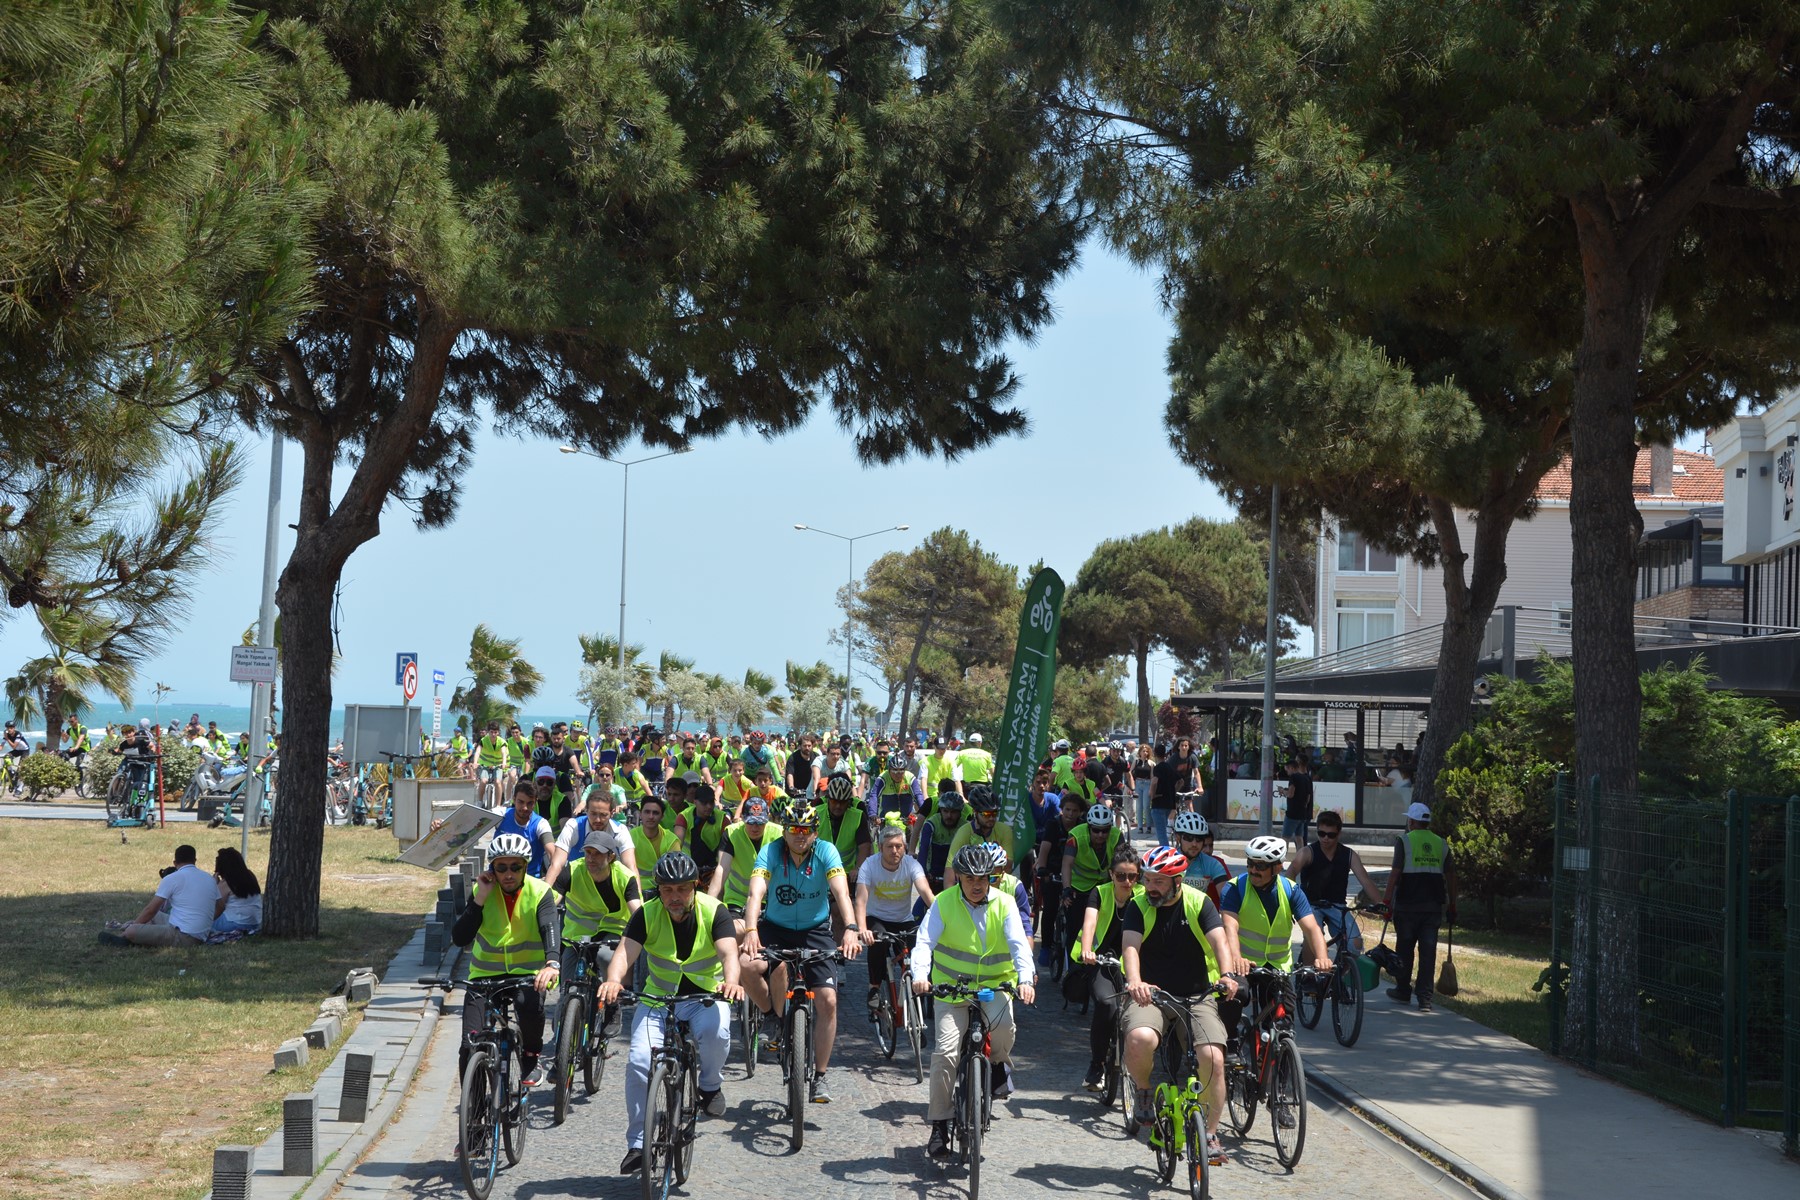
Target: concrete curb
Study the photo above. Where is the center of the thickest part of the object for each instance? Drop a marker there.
(1460, 1168)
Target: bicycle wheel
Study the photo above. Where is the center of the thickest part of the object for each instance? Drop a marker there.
(593, 1049)
(1162, 1142)
(147, 810)
(1111, 1072)
(337, 803)
(797, 1053)
(1240, 1098)
(915, 1028)
(887, 1034)
(477, 1147)
(518, 1107)
(1347, 1003)
(687, 1114)
(975, 1090)
(751, 1016)
(659, 1121)
(84, 782)
(1198, 1161)
(1126, 1087)
(1287, 1099)
(1310, 1004)
(568, 1047)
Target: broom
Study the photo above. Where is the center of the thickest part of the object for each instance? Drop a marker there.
(1446, 980)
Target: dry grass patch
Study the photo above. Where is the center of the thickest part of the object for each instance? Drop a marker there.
(121, 1069)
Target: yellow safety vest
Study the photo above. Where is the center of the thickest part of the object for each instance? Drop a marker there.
(1193, 904)
(701, 965)
(1108, 914)
(1264, 940)
(1090, 868)
(509, 945)
(492, 752)
(830, 831)
(981, 955)
(710, 834)
(977, 766)
(743, 858)
(647, 854)
(585, 910)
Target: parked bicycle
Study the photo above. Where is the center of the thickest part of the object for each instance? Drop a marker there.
(797, 1020)
(1267, 1068)
(1178, 1107)
(131, 797)
(581, 1038)
(1344, 986)
(672, 1102)
(897, 1010)
(972, 1103)
(492, 1109)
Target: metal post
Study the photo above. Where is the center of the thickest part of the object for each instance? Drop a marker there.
(1356, 768)
(1509, 640)
(624, 531)
(1268, 724)
(262, 694)
(1558, 869)
(849, 586)
(1736, 1014)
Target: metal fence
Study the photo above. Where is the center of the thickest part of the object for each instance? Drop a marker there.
(1675, 949)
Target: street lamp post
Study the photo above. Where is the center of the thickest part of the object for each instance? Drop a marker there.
(624, 526)
(850, 580)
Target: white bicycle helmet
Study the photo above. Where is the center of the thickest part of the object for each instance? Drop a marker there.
(1266, 849)
(509, 845)
(1192, 824)
(1100, 817)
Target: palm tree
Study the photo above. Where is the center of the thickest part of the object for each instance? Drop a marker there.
(668, 665)
(601, 647)
(764, 686)
(87, 654)
(495, 665)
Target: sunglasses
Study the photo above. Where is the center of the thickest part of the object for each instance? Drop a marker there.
(507, 868)
(995, 879)
(1329, 833)
(1126, 876)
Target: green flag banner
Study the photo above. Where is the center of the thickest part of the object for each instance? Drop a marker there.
(1025, 730)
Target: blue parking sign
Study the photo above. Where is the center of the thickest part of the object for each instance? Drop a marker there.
(400, 661)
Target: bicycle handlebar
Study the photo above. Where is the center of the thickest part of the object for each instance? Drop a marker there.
(706, 999)
(962, 991)
(802, 957)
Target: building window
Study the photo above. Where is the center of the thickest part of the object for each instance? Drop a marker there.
(1360, 622)
(1357, 557)
(1562, 616)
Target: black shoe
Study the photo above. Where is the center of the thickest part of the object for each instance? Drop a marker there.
(1401, 994)
(1096, 1077)
(712, 1103)
(939, 1145)
(1424, 1003)
(534, 1074)
(634, 1162)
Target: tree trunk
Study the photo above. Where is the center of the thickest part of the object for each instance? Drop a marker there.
(1621, 289)
(1467, 607)
(53, 716)
(1140, 645)
(952, 709)
(912, 672)
(326, 537)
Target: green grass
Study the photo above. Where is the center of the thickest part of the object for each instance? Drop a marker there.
(1495, 970)
(123, 1068)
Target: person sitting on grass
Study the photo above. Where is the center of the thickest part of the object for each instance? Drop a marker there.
(240, 896)
(180, 914)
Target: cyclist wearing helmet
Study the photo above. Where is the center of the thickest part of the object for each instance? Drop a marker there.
(844, 823)
(522, 818)
(795, 886)
(970, 933)
(1103, 932)
(1052, 850)
(512, 925)
(691, 951)
(1206, 870)
(603, 893)
(984, 826)
(935, 834)
(1260, 910)
(900, 789)
(1173, 939)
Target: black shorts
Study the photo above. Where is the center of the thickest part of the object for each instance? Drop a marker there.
(822, 974)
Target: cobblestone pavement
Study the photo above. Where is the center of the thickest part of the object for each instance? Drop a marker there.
(1050, 1139)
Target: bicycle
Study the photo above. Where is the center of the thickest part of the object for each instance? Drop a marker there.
(672, 1103)
(1268, 1069)
(896, 1009)
(1113, 1064)
(1178, 1121)
(581, 1039)
(486, 1127)
(972, 1103)
(796, 1034)
(11, 778)
(1345, 980)
(131, 797)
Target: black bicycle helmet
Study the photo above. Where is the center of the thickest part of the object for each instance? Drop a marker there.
(976, 859)
(676, 867)
(982, 798)
(801, 814)
(839, 787)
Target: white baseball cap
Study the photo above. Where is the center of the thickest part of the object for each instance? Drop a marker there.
(1418, 812)
(974, 739)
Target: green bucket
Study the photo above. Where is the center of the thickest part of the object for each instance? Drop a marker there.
(1371, 974)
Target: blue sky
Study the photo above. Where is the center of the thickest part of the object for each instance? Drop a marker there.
(716, 570)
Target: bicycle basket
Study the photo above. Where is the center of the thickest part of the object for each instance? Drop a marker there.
(1368, 972)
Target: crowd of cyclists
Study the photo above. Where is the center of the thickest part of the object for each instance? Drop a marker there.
(703, 865)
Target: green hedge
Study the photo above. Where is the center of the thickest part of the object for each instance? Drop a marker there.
(179, 764)
(47, 775)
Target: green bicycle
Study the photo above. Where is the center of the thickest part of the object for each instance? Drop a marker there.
(1178, 1123)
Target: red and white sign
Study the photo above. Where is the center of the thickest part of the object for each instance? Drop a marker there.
(409, 680)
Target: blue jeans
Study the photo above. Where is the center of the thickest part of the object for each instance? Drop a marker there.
(712, 1033)
(1143, 802)
(1159, 822)
(1336, 918)
(1294, 830)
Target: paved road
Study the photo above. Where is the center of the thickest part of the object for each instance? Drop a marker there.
(1052, 1140)
(74, 812)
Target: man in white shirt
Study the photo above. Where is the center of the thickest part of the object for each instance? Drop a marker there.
(180, 914)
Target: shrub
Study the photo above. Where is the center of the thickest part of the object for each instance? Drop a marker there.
(179, 764)
(45, 775)
(1494, 806)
